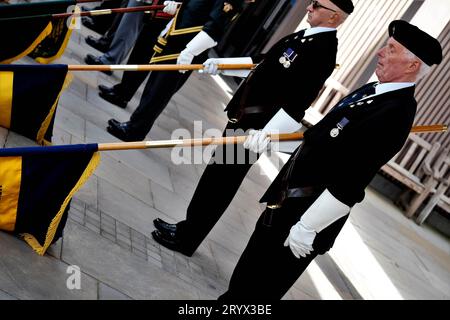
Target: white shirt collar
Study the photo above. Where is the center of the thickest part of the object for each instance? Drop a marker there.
(315, 30)
(381, 88)
(391, 86)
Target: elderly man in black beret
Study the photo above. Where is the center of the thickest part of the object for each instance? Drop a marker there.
(311, 198)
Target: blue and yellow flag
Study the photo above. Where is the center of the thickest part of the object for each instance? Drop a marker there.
(36, 186)
(29, 96)
(29, 29)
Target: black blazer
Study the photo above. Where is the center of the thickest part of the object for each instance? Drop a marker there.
(377, 129)
(272, 86)
(211, 16)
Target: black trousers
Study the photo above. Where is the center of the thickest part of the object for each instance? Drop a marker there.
(141, 54)
(108, 36)
(108, 22)
(267, 269)
(158, 91)
(208, 204)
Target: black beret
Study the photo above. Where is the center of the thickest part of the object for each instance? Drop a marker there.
(424, 46)
(344, 5)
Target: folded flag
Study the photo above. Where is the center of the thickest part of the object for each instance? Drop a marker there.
(29, 96)
(29, 29)
(36, 186)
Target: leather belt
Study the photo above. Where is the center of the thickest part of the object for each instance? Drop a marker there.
(303, 192)
(255, 109)
(248, 110)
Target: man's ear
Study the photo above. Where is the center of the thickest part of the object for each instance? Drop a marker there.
(334, 17)
(414, 66)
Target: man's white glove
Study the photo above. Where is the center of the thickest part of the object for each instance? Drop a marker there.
(323, 212)
(185, 57)
(211, 66)
(283, 122)
(300, 240)
(201, 42)
(170, 7)
(257, 141)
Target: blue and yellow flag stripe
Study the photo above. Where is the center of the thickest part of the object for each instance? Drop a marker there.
(6, 94)
(29, 96)
(37, 185)
(10, 177)
(28, 29)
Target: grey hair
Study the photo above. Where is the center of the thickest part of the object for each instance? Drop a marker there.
(424, 68)
(344, 16)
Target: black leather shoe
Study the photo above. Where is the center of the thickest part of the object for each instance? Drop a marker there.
(105, 89)
(88, 22)
(122, 131)
(113, 122)
(100, 44)
(165, 228)
(91, 59)
(171, 243)
(109, 95)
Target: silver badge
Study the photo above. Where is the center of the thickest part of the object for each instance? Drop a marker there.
(282, 60)
(334, 132)
(287, 64)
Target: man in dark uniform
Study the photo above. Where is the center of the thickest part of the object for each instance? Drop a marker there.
(197, 26)
(310, 199)
(289, 77)
(142, 52)
(103, 43)
(124, 38)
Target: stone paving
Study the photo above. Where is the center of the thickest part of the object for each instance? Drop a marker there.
(379, 255)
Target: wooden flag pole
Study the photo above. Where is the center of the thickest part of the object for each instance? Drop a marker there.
(430, 128)
(95, 12)
(88, 13)
(107, 11)
(227, 140)
(155, 67)
(88, 1)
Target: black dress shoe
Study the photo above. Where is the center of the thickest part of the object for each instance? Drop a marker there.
(113, 122)
(88, 22)
(91, 59)
(171, 243)
(100, 44)
(165, 228)
(105, 89)
(109, 95)
(122, 131)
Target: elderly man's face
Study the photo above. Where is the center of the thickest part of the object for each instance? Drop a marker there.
(393, 62)
(319, 16)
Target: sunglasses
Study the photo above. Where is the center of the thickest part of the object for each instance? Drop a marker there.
(317, 5)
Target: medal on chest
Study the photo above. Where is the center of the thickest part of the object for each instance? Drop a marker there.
(287, 58)
(339, 127)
